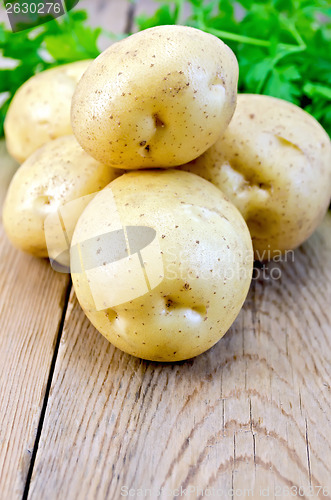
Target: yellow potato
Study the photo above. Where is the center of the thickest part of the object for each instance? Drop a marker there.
(274, 163)
(158, 98)
(8, 167)
(54, 175)
(196, 254)
(40, 109)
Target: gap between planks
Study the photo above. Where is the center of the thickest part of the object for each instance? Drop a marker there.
(118, 16)
(47, 391)
(127, 29)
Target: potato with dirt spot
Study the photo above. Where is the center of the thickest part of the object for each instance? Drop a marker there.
(158, 98)
(175, 295)
(55, 174)
(274, 163)
(40, 109)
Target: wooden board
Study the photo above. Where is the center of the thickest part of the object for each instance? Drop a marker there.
(253, 412)
(249, 418)
(32, 303)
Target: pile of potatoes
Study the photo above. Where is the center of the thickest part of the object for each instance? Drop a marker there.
(161, 187)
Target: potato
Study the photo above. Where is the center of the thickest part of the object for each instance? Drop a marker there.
(274, 163)
(187, 273)
(8, 167)
(158, 98)
(54, 175)
(40, 109)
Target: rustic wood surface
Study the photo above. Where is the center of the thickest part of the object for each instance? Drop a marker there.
(32, 303)
(250, 418)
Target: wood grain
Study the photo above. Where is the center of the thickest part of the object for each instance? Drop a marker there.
(252, 413)
(32, 302)
(112, 15)
(31, 306)
(3, 16)
(248, 418)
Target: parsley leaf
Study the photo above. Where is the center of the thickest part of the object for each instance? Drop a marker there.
(59, 41)
(282, 46)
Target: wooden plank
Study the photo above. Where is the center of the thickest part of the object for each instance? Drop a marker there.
(31, 306)
(33, 298)
(3, 16)
(252, 413)
(110, 14)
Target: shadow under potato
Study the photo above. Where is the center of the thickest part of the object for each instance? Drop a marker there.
(275, 285)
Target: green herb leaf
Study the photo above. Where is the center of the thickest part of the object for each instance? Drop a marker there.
(282, 46)
(64, 40)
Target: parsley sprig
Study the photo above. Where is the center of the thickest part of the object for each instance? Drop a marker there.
(59, 41)
(282, 46)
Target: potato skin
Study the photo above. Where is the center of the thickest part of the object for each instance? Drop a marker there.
(207, 258)
(158, 98)
(40, 109)
(55, 174)
(274, 163)
(8, 167)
